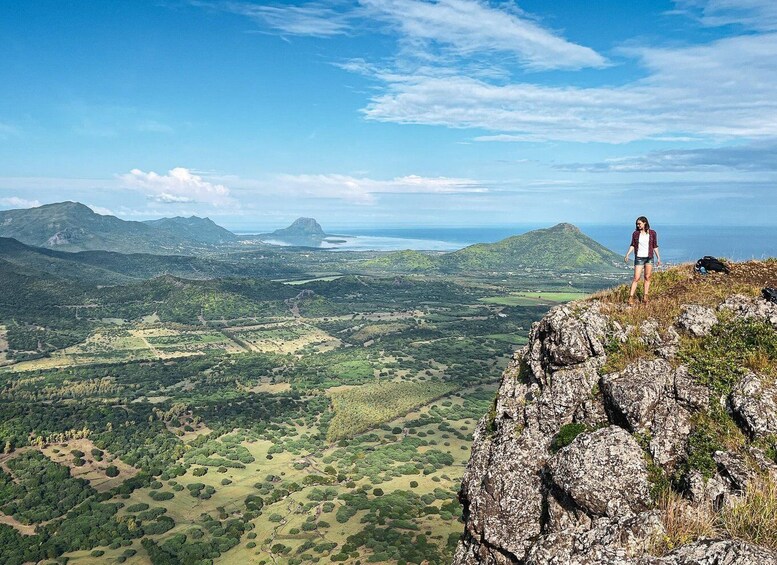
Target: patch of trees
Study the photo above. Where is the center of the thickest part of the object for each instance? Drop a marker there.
(232, 454)
(390, 529)
(90, 524)
(194, 547)
(43, 490)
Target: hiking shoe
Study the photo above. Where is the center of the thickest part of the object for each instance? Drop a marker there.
(631, 301)
(645, 300)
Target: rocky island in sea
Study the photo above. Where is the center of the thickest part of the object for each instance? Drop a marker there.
(303, 232)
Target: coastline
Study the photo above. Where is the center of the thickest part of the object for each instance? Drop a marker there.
(678, 244)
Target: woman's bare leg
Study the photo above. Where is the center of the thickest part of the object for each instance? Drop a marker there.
(648, 273)
(635, 281)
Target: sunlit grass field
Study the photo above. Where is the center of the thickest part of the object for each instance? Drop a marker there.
(534, 299)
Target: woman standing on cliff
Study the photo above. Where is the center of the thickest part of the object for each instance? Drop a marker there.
(644, 244)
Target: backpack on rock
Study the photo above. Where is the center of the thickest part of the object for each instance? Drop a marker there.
(769, 293)
(710, 264)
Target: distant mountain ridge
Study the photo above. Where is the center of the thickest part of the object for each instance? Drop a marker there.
(72, 226)
(203, 230)
(111, 267)
(562, 247)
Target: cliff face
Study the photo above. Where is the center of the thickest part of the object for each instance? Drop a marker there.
(613, 425)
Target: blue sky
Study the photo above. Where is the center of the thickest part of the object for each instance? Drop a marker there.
(393, 112)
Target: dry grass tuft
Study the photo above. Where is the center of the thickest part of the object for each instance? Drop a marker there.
(627, 353)
(754, 518)
(681, 285)
(682, 522)
(760, 362)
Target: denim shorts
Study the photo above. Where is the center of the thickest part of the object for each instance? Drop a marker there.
(640, 261)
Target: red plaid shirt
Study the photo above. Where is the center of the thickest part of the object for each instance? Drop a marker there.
(652, 243)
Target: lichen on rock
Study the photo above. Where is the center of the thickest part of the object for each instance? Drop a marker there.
(602, 471)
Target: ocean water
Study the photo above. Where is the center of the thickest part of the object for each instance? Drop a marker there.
(677, 244)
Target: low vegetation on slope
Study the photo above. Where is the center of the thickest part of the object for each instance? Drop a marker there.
(676, 286)
(731, 350)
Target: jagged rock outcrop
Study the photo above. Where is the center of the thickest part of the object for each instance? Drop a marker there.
(531, 496)
(643, 398)
(753, 404)
(634, 393)
(665, 343)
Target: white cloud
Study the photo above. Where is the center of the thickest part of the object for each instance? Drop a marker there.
(16, 202)
(467, 27)
(179, 185)
(429, 29)
(533, 112)
(689, 91)
(362, 190)
(312, 19)
(755, 14)
(761, 157)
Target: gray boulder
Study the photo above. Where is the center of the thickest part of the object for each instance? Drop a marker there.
(502, 493)
(564, 548)
(671, 426)
(751, 308)
(604, 472)
(754, 407)
(644, 397)
(713, 491)
(591, 412)
(718, 552)
(649, 333)
(565, 337)
(664, 343)
(697, 320)
(565, 391)
(737, 471)
(619, 332)
(687, 392)
(605, 541)
(632, 394)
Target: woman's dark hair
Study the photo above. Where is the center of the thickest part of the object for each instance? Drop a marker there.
(644, 220)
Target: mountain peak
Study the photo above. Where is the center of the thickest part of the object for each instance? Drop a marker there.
(307, 226)
(561, 248)
(565, 228)
(67, 206)
(302, 231)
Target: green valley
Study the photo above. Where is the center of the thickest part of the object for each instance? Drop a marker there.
(197, 409)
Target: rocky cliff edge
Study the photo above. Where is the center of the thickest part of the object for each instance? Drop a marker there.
(640, 435)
